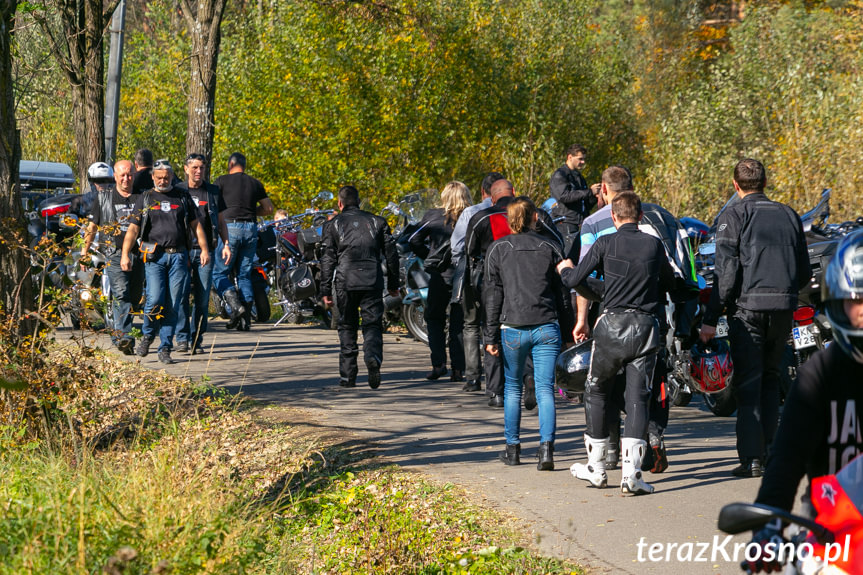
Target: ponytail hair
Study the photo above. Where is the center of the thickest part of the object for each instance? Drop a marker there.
(521, 213)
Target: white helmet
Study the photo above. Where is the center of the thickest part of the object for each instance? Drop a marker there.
(100, 173)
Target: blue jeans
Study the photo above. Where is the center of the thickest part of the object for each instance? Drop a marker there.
(126, 288)
(167, 283)
(543, 343)
(243, 239)
(192, 321)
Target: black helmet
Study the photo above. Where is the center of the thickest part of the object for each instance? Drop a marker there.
(844, 280)
(710, 366)
(572, 365)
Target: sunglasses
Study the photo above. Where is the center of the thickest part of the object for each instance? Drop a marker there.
(199, 157)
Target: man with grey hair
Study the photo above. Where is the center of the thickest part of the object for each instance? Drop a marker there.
(159, 223)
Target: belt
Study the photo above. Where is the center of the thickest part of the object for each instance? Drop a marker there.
(174, 250)
(239, 221)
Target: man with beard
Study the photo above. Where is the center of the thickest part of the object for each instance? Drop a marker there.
(160, 220)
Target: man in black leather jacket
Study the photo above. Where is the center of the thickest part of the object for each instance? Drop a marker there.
(354, 244)
(761, 262)
(574, 198)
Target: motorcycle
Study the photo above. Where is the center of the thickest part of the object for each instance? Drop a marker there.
(59, 217)
(404, 218)
(832, 543)
(293, 252)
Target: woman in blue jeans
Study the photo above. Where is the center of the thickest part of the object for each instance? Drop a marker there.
(523, 298)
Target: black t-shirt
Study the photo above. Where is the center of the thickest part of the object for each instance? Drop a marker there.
(239, 196)
(819, 432)
(142, 180)
(170, 215)
(201, 199)
(123, 208)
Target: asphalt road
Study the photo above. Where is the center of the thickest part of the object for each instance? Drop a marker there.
(435, 428)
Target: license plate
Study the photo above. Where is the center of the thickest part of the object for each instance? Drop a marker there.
(722, 327)
(804, 336)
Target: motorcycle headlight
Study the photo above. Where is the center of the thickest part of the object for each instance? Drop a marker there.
(85, 295)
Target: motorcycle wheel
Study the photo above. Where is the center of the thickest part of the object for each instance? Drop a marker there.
(261, 310)
(683, 398)
(415, 321)
(722, 404)
(217, 306)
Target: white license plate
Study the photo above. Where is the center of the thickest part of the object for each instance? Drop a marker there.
(804, 336)
(722, 327)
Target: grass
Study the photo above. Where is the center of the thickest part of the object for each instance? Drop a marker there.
(203, 484)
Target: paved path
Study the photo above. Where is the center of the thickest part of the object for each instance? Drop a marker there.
(454, 436)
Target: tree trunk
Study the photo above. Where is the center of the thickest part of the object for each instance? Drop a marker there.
(79, 49)
(16, 294)
(204, 23)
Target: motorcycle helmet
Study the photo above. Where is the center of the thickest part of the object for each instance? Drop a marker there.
(100, 173)
(844, 280)
(710, 367)
(572, 365)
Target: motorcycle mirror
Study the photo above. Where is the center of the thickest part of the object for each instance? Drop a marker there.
(707, 249)
(739, 517)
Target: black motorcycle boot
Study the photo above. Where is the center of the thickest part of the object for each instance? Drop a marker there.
(546, 456)
(511, 456)
(232, 298)
(245, 323)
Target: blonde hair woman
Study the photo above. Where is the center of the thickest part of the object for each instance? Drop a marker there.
(431, 243)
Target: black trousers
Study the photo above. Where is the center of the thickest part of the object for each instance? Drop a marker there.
(436, 308)
(757, 344)
(571, 239)
(627, 340)
(351, 304)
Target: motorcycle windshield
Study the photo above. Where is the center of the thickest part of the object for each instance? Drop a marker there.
(414, 206)
(850, 478)
(817, 215)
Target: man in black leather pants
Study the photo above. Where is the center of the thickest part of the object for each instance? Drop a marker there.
(637, 276)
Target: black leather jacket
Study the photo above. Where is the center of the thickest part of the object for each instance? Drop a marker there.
(354, 244)
(433, 228)
(574, 198)
(761, 258)
(522, 286)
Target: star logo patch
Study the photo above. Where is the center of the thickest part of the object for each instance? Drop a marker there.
(828, 493)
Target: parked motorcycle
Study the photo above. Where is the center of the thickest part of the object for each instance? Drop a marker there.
(292, 253)
(404, 218)
(60, 218)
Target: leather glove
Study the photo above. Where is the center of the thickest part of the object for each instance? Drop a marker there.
(770, 539)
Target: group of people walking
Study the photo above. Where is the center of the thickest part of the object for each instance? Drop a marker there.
(519, 285)
(510, 286)
(172, 239)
